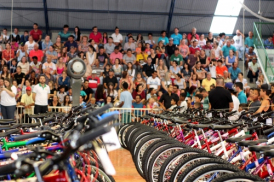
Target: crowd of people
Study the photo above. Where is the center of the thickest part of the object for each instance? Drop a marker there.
(180, 70)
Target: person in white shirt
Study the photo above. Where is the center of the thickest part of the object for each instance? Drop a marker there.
(117, 37)
(154, 81)
(49, 65)
(236, 102)
(29, 45)
(254, 69)
(150, 41)
(212, 68)
(182, 102)
(8, 102)
(238, 39)
(40, 95)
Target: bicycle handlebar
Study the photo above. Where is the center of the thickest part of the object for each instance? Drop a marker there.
(270, 130)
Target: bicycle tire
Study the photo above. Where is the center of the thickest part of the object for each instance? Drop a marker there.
(120, 133)
(237, 177)
(136, 137)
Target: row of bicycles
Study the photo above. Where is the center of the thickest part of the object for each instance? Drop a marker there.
(59, 147)
(189, 147)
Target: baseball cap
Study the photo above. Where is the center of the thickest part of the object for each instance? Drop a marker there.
(28, 88)
(94, 72)
(229, 86)
(170, 38)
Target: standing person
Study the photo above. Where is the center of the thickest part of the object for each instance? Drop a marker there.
(8, 102)
(249, 41)
(40, 96)
(36, 34)
(238, 39)
(126, 102)
(220, 98)
(27, 102)
(241, 95)
(176, 36)
(165, 100)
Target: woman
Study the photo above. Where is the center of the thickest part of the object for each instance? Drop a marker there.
(174, 69)
(91, 55)
(212, 56)
(118, 70)
(130, 70)
(27, 84)
(60, 67)
(210, 38)
(139, 39)
(77, 34)
(203, 60)
(8, 102)
(151, 93)
(64, 55)
(66, 104)
(19, 91)
(199, 71)
(32, 79)
(161, 69)
(194, 81)
(217, 49)
(230, 59)
(139, 91)
(83, 46)
(180, 81)
(94, 45)
(5, 73)
(242, 79)
(184, 50)
(154, 57)
(265, 104)
(202, 41)
(139, 80)
(160, 50)
(105, 38)
(100, 95)
(88, 68)
(2, 64)
(125, 78)
(25, 67)
(58, 45)
(166, 82)
(64, 80)
(111, 91)
(261, 80)
(53, 91)
(46, 43)
(186, 71)
(55, 103)
(7, 54)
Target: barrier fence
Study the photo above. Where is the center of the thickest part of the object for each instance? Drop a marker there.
(127, 115)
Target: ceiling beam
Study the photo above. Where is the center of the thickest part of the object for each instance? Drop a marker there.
(172, 5)
(46, 16)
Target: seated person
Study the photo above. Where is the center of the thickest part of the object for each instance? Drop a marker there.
(173, 104)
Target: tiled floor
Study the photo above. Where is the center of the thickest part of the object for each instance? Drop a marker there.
(124, 166)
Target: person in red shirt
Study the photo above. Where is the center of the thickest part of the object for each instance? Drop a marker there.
(7, 54)
(194, 48)
(220, 68)
(36, 34)
(193, 33)
(95, 35)
(93, 80)
(36, 52)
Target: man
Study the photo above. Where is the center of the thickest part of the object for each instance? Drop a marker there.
(238, 39)
(255, 103)
(236, 102)
(226, 77)
(109, 47)
(24, 38)
(117, 37)
(193, 58)
(70, 43)
(148, 68)
(88, 91)
(177, 57)
(52, 54)
(128, 58)
(15, 36)
(266, 103)
(241, 95)
(227, 47)
(208, 81)
(19, 77)
(130, 45)
(93, 81)
(207, 48)
(163, 38)
(27, 102)
(254, 69)
(110, 78)
(150, 41)
(165, 100)
(234, 71)
(96, 36)
(21, 53)
(49, 65)
(102, 57)
(170, 47)
(182, 102)
(40, 95)
(35, 65)
(220, 69)
(153, 81)
(72, 53)
(205, 100)
(249, 55)
(114, 55)
(249, 41)
(268, 43)
(36, 52)
(176, 90)
(64, 34)
(195, 47)
(192, 34)
(220, 98)
(176, 37)
(36, 34)
(126, 102)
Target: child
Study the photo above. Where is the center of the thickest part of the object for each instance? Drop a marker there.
(147, 48)
(173, 105)
(205, 100)
(198, 98)
(198, 105)
(61, 94)
(182, 102)
(159, 94)
(82, 103)
(212, 68)
(106, 71)
(83, 93)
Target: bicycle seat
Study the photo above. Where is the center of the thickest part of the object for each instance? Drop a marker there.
(261, 148)
(250, 143)
(237, 139)
(7, 121)
(179, 120)
(198, 126)
(269, 153)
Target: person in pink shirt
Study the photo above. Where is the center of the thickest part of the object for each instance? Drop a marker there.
(115, 54)
(96, 36)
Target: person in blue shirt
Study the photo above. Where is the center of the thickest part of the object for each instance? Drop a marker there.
(163, 38)
(234, 71)
(241, 95)
(249, 41)
(227, 48)
(268, 43)
(70, 43)
(24, 38)
(64, 34)
(176, 36)
(138, 104)
(126, 102)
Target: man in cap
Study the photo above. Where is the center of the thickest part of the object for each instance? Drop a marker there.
(27, 102)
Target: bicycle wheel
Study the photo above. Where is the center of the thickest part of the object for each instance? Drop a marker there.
(238, 177)
(120, 133)
(212, 172)
(172, 161)
(183, 172)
